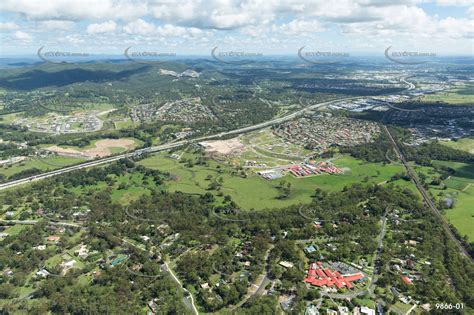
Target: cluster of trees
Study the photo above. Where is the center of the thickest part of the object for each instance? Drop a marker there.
(426, 152)
(423, 154)
(372, 152)
(350, 215)
(445, 263)
(284, 188)
(11, 149)
(21, 174)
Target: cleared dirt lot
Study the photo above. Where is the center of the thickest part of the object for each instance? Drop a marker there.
(102, 148)
(224, 147)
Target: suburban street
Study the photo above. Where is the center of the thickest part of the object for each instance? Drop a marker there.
(175, 144)
(167, 146)
(259, 284)
(377, 254)
(237, 157)
(33, 222)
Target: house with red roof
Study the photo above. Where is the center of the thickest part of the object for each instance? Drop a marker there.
(407, 280)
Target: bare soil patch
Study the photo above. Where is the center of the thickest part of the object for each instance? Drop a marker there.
(101, 149)
(224, 147)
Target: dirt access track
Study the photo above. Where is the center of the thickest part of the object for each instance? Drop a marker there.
(102, 148)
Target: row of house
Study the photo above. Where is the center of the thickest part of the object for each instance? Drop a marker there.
(313, 168)
(320, 131)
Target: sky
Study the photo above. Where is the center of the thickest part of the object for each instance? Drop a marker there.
(267, 27)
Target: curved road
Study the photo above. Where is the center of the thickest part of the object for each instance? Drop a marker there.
(176, 144)
(169, 145)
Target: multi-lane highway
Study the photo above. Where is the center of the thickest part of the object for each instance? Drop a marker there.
(168, 146)
(176, 144)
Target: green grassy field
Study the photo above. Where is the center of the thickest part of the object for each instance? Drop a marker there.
(266, 148)
(462, 216)
(133, 187)
(258, 193)
(460, 95)
(15, 229)
(461, 188)
(464, 144)
(127, 124)
(8, 119)
(44, 164)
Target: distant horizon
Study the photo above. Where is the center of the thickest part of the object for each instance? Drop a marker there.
(443, 27)
(264, 56)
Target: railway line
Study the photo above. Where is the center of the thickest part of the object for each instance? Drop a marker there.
(426, 197)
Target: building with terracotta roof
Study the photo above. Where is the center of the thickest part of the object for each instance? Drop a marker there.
(325, 277)
(407, 280)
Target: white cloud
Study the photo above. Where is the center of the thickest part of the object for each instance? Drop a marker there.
(8, 26)
(459, 3)
(215, 14)
(76, 10)
(300, 27)
(411, 22)
(55, 25)
(456, 28)
(470, 11)
(97, 28)
(22, 35)
(169, 30)
(140, 27)
(255, 23)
